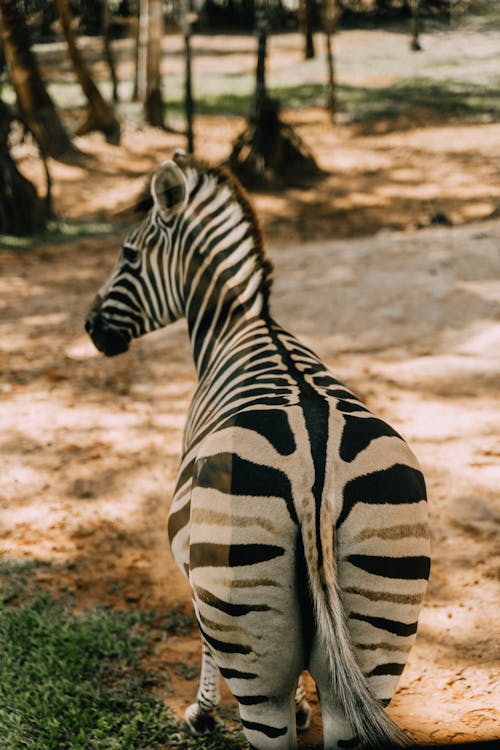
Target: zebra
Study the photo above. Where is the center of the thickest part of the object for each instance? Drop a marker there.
(298, 517)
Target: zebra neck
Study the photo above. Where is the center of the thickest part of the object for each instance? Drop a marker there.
(215, 333)
(226, 296)
(225, 273)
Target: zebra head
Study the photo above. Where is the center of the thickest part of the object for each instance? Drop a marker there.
(144, 291)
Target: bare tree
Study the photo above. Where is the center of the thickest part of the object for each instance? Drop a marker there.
(100, 114)
(188, 18)
(148, 60)
(22, 209)
(91, 16)
(269, 150)
(34, 102)
(306, 18)
(415, 25)
(108, 52)
(330, 13)
(135, 12)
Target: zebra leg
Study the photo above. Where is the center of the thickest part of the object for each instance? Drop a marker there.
(337, 731)
(199, 717)
(302, 708)
(270, 725)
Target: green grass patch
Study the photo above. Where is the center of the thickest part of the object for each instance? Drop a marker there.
(57, 231)
(16, 578)
(73, 680)
(442, 97)
(187, 671)
(365, 103)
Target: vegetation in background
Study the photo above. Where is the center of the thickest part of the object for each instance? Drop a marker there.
(34, 102)
(269, 150)
(100, 113)
(74, 680)
(22, 209)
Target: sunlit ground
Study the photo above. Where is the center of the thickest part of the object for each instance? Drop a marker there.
(89, 446)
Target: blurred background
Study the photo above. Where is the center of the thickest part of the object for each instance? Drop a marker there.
(288, 93)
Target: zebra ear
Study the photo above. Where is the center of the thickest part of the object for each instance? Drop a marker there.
(169, 189)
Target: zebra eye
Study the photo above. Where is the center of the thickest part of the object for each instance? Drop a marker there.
(130, 254)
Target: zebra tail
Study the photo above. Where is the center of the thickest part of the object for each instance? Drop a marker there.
(371, 724)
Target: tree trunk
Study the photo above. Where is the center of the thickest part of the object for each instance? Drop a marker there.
(269, 151)
(149, 58)
(46, 32)
(91, 16)
(34, 102)
(22, 210)
(108, 52)
(261, 98)
(330, 18)
(188, 19)
(101, 115)
(306, 15)
(136, 41)
(415, 25)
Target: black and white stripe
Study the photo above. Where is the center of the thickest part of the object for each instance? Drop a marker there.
(299, 517)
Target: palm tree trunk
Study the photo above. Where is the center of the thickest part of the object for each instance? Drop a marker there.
(34, 102)
(101, 115)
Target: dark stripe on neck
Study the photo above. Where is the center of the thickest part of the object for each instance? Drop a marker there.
(231, 309)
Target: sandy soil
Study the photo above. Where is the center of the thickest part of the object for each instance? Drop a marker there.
(409, 319)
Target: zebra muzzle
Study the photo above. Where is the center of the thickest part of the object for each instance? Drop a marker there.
(108, 340)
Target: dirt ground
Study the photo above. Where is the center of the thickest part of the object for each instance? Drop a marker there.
(405, 313)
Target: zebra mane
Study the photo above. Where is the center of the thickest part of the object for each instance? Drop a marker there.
(226, 178)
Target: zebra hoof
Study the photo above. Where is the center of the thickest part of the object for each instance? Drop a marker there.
(303, 717)
(196, 723)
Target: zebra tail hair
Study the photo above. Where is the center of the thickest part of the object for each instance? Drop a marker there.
(370, 722)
